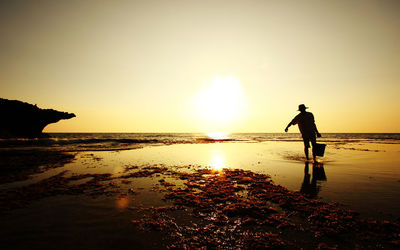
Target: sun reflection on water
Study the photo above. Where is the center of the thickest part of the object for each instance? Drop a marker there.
(218, 135)
(217, 160)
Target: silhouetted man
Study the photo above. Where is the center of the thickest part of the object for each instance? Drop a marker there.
(307, 127)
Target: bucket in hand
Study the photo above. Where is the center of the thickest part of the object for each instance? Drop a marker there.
(320, 149)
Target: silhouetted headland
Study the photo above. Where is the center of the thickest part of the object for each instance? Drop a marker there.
(21, 119)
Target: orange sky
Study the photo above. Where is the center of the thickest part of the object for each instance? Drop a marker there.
(156, 66)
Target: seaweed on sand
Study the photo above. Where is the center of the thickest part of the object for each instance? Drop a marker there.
(228, 209)
(19, 165)
(243, 209)
(93, 185)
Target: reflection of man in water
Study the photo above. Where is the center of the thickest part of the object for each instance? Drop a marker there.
(311, 188)
(307, 127)
(308, 188)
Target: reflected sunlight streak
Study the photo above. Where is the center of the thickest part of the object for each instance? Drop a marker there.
(217, 160)
(218, 135)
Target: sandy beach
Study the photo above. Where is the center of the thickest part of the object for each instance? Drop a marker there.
(215, 195)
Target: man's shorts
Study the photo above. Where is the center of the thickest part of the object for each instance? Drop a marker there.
(308, 139)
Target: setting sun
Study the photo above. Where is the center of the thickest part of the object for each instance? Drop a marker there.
(220, 102)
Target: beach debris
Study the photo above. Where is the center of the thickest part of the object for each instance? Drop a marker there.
(249, 208)
(228, 209)
(145, 172)
(164, 183)
(94, 185)
(21, 165)
(128, 168)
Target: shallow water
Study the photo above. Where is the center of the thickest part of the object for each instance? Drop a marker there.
(364, 177)
(366, 181)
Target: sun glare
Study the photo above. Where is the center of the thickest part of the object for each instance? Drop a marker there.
(221, 102)
(217, 160)
(218, 135)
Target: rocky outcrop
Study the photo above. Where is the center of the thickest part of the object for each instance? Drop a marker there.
(21, 119)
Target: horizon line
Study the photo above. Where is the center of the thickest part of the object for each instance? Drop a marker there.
(208, 132)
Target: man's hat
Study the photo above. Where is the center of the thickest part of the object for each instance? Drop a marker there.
(302, 107)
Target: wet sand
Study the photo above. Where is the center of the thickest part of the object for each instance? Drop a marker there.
(229, 195)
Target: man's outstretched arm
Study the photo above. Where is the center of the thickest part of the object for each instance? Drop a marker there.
(287, 127)
(293, 122)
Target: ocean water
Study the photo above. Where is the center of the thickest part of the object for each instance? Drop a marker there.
(123, 141)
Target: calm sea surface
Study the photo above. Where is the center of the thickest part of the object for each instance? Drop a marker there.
(120, 141)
